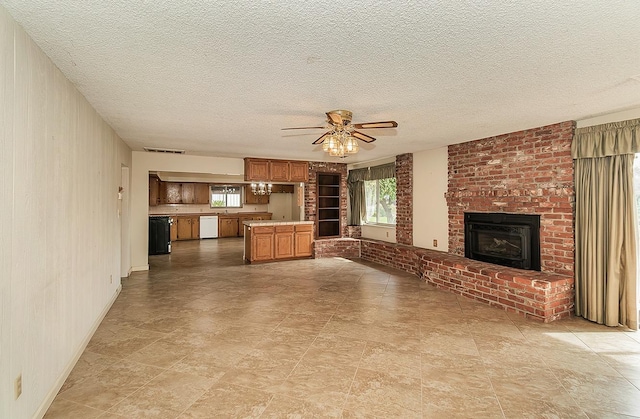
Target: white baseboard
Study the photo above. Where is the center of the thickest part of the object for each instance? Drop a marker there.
(65, 374)
(140, 268)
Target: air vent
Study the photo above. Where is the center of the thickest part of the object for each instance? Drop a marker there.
(163, 150)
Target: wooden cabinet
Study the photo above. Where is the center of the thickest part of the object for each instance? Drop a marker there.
(202, 193)
(298, 171)
(262, 243)
(278, 242)
(162, 193)
(178, 193)
(279, 171)
(173, 229)
(256, 170)
(283, 241)
(303, 240)
(262, 170)
(188, 227)
(282, 189)
(174, 193)
(154, 191)
(250, 198)
(227, 227)
(195, 227)
(328, 206)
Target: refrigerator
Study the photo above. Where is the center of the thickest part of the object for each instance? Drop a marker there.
(159, 235)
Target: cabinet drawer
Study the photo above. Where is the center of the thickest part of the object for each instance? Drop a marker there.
(304, 227)
(262, 230)
(284, 229)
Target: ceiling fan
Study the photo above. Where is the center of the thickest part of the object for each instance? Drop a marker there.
(341, 137)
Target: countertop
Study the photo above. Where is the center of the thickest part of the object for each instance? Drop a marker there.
(258, 223)
(219, 214)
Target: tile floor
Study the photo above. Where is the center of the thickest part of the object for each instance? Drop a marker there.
(201, 335)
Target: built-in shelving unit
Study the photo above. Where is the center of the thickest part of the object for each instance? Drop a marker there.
(328, 194)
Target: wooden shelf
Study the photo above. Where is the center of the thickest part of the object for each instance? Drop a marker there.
(328, 206)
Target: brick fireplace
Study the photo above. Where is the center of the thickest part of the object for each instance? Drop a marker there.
(525, 172)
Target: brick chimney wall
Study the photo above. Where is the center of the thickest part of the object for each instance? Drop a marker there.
(525, 172)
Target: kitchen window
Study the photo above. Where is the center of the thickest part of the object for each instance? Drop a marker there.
(380, 197)
(226, 196)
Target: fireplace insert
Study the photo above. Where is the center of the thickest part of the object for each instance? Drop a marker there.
(504, 239)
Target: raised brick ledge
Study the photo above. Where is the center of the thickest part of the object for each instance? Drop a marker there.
(538, 295)
(344, 247)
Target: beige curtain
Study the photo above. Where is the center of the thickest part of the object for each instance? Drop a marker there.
(355, 182)
(605, 272)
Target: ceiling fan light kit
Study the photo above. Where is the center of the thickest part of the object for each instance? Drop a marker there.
(342, 137)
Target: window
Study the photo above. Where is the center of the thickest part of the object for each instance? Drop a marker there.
(380, 196)
(226, 196)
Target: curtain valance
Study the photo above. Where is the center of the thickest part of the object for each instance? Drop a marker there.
(612, 139)
(372, 173)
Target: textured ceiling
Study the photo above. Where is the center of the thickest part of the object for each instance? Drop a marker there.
(222, 78)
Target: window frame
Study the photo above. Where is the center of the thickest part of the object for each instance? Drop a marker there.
(226, 195)
(377, 201)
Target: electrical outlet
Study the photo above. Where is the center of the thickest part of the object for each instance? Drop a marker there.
(111, 279)
(387, 234)
(18, 386)
(435, 243)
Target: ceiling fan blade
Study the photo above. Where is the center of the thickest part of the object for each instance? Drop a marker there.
(364, 137)
(383, 124)
(321, 139)
(334, 118)
(283, 129)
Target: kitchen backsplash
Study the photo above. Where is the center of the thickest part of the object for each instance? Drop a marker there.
(205, 208)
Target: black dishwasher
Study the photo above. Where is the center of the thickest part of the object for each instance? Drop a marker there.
(159, 235)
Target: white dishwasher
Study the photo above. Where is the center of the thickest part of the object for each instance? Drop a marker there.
(208, 226)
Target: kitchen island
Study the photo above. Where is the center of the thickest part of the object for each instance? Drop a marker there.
(268, 241)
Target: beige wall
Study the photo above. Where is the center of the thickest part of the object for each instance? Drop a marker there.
(430, 212)
(280, 206)
(143, 163)
(60, 169)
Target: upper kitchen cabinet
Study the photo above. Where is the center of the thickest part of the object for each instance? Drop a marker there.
(256, 169)
(262, 170)
(162, 193)
(188, 193)
(174, 193)
(279, 171)
(154, 191)
(202, 193)
(299, 171)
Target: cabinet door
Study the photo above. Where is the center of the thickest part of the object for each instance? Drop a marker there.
(228, 227)
(279, 171)
(303, 240)
(184, 228)
(256, 169)
(249, 197)
(262, 245)
(202, 193)
(162, 192)
(154, 191)
(195, 227)
(299, 171)
(188, 193)
(174, 193)
(283, 241)
(173, 231)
